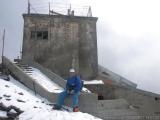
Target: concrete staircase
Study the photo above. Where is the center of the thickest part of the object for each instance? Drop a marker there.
(114, 109)
(26, 68)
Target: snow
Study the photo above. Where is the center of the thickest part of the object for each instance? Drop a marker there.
(43, 80)
(86, 90)
(34, 106)
(93, 82)
(3, 114)
(14, 90)
(56, 115)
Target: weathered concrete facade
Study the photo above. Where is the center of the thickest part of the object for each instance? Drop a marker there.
(61, 42)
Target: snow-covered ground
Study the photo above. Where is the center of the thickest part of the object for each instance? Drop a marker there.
(34, 107)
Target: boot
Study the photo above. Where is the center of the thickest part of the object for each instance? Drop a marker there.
(76, 109)
(56, 107)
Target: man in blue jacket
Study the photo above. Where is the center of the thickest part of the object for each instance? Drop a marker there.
(73, 87)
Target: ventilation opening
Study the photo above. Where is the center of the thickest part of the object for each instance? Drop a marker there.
(100, 97)
(157, 99)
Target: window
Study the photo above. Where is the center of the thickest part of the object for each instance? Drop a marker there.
(33, 35)
(39, 35)
(45, 35)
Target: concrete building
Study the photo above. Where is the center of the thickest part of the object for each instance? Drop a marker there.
(55, 43)
(59, 42)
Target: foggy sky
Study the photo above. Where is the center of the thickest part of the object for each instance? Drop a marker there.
(127, 35)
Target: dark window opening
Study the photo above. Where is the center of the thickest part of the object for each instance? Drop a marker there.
(45, 35)
(100, 97)
(39, 35)
(157, 99)
(33, 35)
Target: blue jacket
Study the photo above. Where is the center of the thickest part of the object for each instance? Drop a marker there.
(74, 82)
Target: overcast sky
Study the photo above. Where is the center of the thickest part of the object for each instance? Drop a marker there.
(128, 35)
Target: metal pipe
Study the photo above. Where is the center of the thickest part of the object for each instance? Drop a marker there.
(3, 46)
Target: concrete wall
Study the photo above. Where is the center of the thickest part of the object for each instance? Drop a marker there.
(146, 102)
(72, 42)
(107, 91)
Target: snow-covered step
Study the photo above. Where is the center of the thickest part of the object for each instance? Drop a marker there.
(26, 67)
(23, 65)
(28, 71)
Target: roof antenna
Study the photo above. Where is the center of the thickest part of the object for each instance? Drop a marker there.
(49, 8)
(89, 14)
(69, 10)
(29, 6)
(3, 47)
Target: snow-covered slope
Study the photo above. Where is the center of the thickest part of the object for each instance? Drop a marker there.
(44, 81)
(34, 107)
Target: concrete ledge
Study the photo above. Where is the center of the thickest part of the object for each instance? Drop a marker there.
(115, 77)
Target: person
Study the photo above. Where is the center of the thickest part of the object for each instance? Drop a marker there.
(73, 87)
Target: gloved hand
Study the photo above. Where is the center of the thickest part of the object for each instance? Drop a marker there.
(70, 91)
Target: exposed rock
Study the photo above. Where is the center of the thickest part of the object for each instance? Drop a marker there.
(8, 99)
(7, 86)
(20, 93)
(35, 107)
(20, 100)
(7, 96)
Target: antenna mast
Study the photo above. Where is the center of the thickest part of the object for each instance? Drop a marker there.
(29, 5)
(49, 8)
(3, 46)
(89, 12)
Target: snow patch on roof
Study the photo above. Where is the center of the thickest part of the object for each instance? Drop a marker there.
(93, 82)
